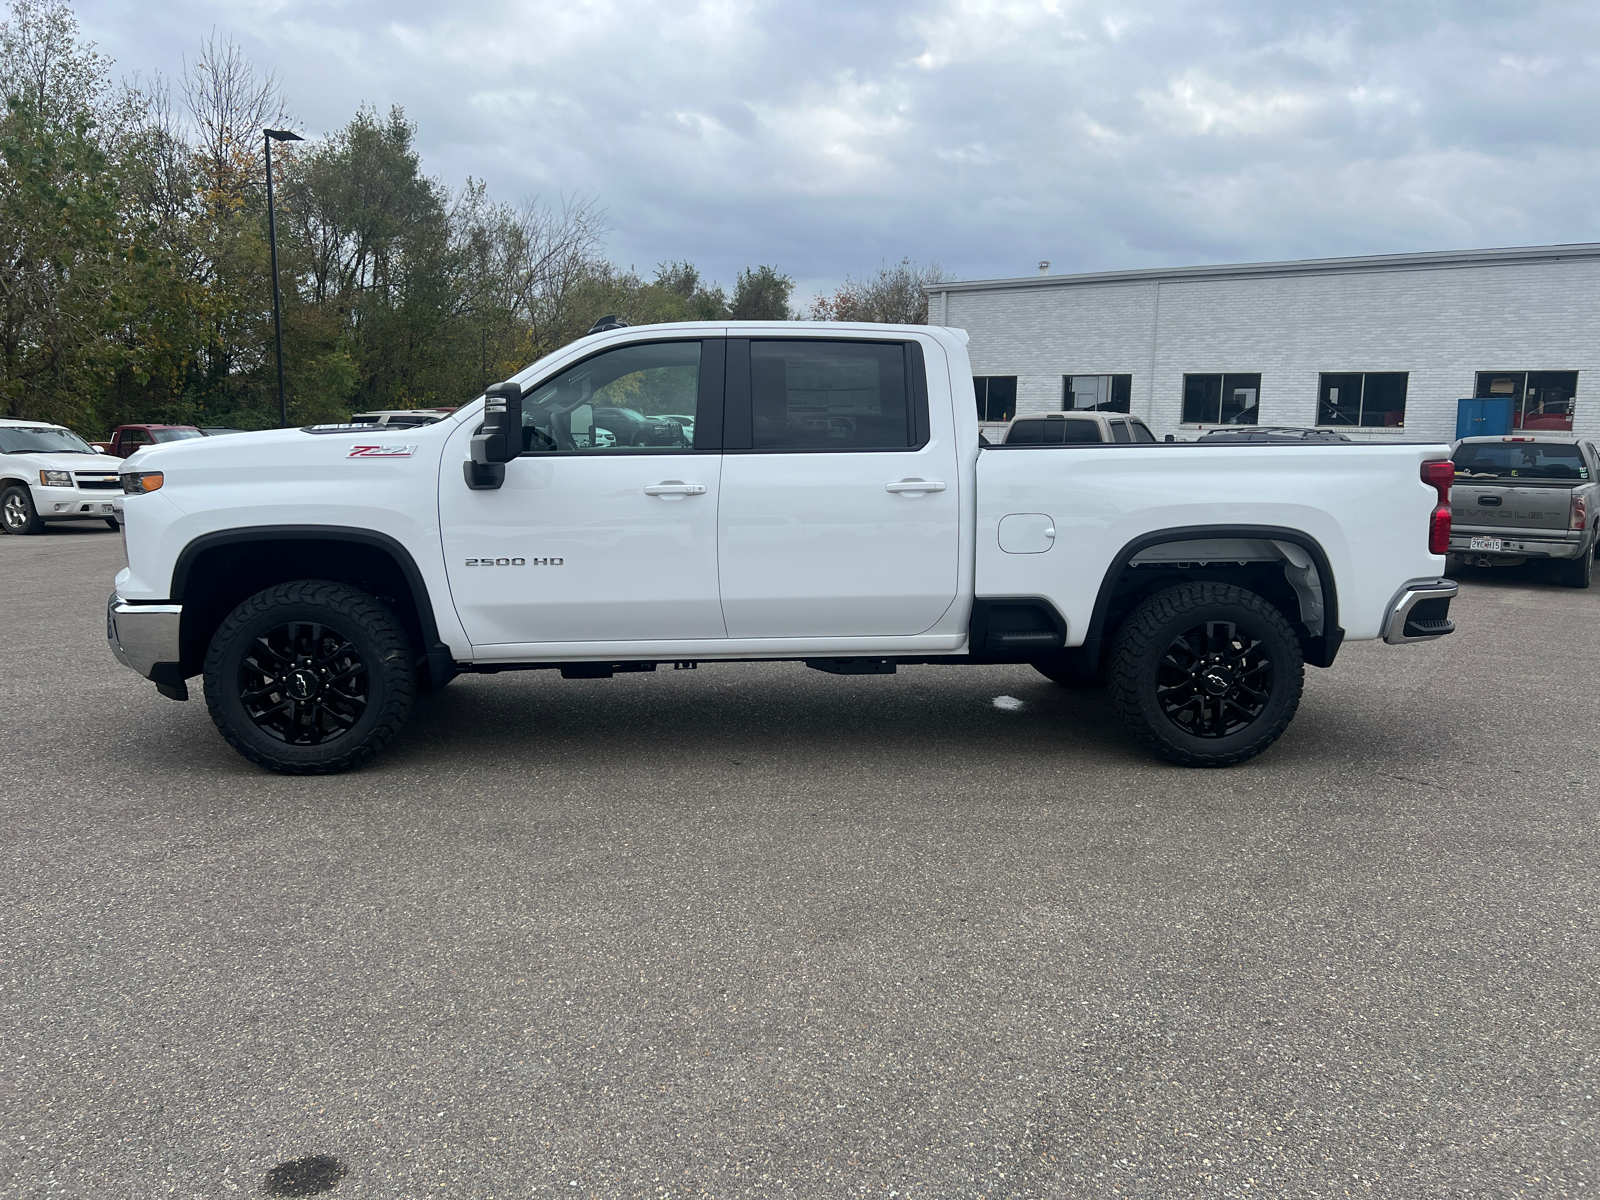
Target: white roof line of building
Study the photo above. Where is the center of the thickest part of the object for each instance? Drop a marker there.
(1432, 260)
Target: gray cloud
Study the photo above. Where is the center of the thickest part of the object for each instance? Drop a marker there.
(984, 134)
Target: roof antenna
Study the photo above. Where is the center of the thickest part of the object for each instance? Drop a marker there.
(609, 321)
(1044, 266)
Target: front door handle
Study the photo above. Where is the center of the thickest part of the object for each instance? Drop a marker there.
(917, 486)
(675, 487)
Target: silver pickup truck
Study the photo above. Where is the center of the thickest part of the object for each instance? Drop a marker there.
(1523, 497)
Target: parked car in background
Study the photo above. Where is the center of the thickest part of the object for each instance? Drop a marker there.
(1526, 496)
(1059, 428)
(130, 439)
(400, 417)
(48, 473)
(1280, 434)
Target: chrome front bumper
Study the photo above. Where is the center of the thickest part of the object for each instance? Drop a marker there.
(144, 637)
(1420, 612)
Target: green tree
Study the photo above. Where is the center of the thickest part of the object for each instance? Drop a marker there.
(762, 294)
(894, 296)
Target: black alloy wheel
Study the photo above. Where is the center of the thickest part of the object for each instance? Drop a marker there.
(1214, 679)
(303, 683)
(310, 678)
(1207, 674)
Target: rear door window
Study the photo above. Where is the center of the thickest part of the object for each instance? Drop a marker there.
(1119, 432)
(1080, 432)
(1520, 460)
(816, 394)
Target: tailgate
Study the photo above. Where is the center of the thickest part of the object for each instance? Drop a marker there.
(1502, 506)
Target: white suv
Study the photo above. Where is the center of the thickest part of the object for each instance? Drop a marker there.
(48, 473)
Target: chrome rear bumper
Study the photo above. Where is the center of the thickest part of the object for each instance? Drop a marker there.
(1420, 612)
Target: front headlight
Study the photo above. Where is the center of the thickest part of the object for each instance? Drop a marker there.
(137, 483)
(55, 478)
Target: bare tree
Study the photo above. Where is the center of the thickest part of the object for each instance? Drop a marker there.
(229, 104)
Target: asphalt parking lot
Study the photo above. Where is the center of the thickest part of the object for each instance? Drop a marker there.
(760, 931)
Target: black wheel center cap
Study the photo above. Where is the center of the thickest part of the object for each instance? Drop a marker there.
(1216, 680)
(301, 685)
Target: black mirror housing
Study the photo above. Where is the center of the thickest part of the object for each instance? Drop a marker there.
(501, 437)
(499, 440)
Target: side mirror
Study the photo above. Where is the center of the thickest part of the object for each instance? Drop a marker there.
(500, 439)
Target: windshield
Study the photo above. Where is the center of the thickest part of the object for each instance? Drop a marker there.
(1519, 460)
(175, 435)
(42, 439)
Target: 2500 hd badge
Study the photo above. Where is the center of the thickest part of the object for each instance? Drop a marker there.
(515, 562)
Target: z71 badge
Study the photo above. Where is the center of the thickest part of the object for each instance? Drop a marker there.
(381, 451)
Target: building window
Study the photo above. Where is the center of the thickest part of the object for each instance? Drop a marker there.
(997, 396)
(1539, 399)
(1221, 399)
(1375, 398)
(1096, 393)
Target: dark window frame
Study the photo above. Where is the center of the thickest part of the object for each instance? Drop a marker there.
(737, 414)
(708, 401)
(981, 389)
(1483, 380)
(1361, 399)
(1120, 391)
(1226, 383)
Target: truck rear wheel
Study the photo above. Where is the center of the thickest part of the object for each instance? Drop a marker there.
(1206, 674)
(17, 513)
(310, 678)
(1576, 572)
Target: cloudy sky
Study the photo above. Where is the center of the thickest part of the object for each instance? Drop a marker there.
(828, 137)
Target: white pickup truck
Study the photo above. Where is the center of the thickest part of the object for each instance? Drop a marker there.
(814, 492)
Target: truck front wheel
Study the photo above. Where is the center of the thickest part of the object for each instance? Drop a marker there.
(310, 678)
(1206, 674)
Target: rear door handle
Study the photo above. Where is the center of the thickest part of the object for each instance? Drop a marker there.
(675, 487)
(914, 485)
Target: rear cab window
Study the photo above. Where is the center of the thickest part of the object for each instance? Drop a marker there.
(1520, 460)
(1052, 431)
(825, 394)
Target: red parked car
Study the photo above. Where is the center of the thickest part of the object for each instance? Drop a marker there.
(125, 439)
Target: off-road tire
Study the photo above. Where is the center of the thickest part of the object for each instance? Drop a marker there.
(1068, 669)
(17, 513)
(1141, 649)
(1576, 572)
(372, 633)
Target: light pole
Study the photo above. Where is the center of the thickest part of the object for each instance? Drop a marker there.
(277, 135)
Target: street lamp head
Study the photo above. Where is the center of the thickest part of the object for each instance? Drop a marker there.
(283, 135)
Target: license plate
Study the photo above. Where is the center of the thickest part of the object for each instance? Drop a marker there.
(1490, 544)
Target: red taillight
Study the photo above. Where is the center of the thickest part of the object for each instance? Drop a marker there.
(1439, 475)
(1439, 530)
(1580, 513)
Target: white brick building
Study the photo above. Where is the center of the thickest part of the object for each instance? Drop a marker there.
(1379, 347)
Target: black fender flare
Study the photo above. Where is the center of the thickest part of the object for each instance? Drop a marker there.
(1320, 651)
(441, 662)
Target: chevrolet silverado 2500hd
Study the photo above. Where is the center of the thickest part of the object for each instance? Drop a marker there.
(741, 491)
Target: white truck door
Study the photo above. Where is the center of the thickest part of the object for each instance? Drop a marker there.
(840, 513)
(606, 528)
